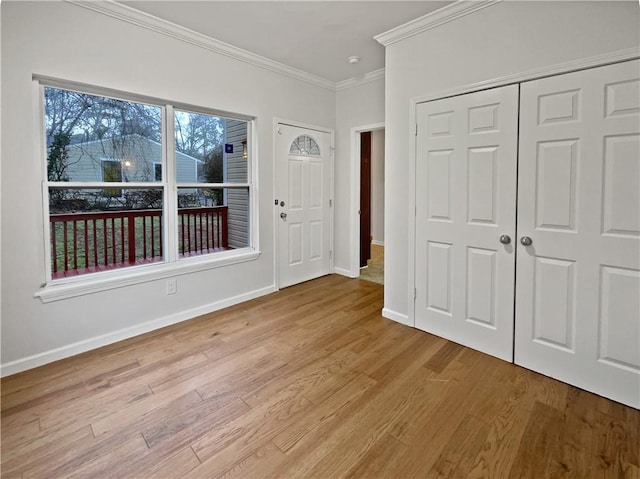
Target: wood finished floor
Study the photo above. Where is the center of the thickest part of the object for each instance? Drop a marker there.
(309, 382)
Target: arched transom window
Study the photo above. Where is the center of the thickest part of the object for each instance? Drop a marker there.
(304, 145)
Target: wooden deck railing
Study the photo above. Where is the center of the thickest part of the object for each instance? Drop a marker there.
(96, 241)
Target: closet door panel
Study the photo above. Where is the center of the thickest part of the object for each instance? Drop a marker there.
(465, 200)
(577, 306)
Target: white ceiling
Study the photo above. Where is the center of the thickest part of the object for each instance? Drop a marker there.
(316, 37)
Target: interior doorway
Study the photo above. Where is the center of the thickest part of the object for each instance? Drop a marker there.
(371, 204)
(365, 198)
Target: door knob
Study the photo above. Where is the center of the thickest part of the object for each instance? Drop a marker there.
(505, 239)
(526, 240)
(283, 216)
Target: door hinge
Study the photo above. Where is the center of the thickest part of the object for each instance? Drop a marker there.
(330, 203)
(330, 253)
(416, 129)
(415, 293)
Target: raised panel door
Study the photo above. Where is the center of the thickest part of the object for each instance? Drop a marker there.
(303, 185)
(465, 201)
(578, 286)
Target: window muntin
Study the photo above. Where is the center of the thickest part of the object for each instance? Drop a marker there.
(106, 150)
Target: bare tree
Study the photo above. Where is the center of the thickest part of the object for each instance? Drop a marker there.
(198, 135)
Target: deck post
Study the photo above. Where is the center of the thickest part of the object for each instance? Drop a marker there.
(225, 229)
(131, 225)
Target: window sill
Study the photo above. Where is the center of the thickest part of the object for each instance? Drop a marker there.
(94, 283)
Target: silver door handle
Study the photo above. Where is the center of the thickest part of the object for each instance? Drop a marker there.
(526, 241)
(505, 239)
(283, 216)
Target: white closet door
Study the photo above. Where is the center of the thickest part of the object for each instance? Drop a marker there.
(578, 283)
(465, 200)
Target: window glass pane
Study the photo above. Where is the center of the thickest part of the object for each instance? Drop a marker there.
(237, 201)
(210, 149)
(304, 146)
(212, 219)
(88, 136)
(91, 230)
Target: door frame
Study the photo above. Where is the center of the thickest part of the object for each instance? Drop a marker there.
(275, 212)
(552, 70)
(354, 220)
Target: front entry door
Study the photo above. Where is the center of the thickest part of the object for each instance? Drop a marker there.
(578, 306)
(303, 188)
(465, 219)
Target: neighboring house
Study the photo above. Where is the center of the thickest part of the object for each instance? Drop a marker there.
(128, 158)
(134, 158)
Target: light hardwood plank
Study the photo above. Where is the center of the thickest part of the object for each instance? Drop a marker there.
(539, 439)
(310, 381)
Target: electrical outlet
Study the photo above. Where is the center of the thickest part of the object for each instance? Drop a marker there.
(172, 286)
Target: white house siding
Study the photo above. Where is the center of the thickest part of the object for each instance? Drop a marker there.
(236, 172)
(85, 159)
(186, 168)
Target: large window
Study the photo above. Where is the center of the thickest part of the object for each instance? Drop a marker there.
(137, 182)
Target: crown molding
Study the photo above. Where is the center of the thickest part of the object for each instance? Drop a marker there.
(164, 27)
(367, 78)
(431, 20)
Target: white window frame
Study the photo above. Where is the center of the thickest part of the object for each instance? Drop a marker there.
(173, 265)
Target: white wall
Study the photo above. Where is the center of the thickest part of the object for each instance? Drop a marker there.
(504, 39)
(377, 186)
(356, 106)
(66, 41)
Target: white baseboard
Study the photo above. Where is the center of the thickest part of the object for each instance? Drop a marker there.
(377, 243)
(395, 316)
(47, 357)
(346, 272)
